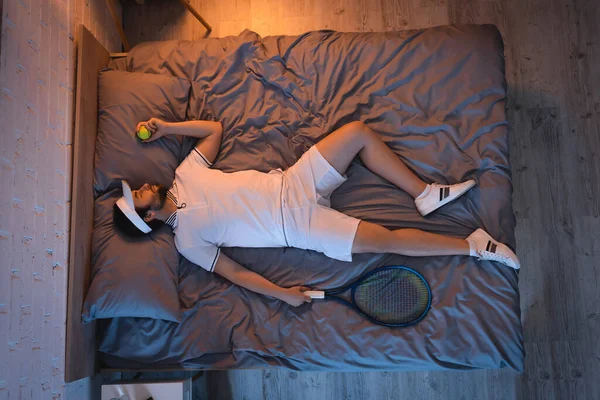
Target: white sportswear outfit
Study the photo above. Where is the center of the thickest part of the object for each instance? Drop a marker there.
(256, 209)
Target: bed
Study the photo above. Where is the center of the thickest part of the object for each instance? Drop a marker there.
(437, 98)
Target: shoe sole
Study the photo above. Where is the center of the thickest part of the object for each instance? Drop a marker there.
(448, 199)
(517, 266)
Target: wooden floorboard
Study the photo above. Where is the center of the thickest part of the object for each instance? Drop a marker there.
(552, 56)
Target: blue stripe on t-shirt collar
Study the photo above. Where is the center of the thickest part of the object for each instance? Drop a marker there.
(172, 220)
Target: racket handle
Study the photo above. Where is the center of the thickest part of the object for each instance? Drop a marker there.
(315, 294)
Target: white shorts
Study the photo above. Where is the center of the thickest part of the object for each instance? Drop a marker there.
(308, 221)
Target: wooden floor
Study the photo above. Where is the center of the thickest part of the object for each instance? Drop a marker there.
(553, 72)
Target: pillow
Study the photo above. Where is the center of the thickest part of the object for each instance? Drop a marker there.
(131, 277)
(124, 99)
(198, 107)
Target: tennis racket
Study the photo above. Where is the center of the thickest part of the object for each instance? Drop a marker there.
(390, 296)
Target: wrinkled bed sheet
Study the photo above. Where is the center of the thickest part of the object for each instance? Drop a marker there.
(437, 98)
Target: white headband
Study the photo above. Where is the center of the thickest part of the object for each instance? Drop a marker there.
(126, 205)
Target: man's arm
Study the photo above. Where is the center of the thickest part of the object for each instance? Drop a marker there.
(209, 133)
(197, 129)
(239, 275)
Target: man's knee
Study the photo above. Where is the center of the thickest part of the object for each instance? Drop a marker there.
(357, 131)
(356, 126)
(372, 238)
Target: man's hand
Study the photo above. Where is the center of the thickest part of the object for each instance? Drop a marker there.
(295, 296)
(157, 128)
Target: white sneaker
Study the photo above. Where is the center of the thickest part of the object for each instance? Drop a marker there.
(435, 195)
(484, 247)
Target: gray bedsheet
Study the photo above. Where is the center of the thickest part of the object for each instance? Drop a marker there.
(437, 98)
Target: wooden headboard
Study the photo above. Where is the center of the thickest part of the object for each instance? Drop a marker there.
(81, 348)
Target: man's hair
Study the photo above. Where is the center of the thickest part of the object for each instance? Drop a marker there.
(127, 227)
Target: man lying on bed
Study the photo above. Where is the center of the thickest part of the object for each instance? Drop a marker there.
(208, 209)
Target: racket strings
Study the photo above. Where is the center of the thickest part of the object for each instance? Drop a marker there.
(393, 296)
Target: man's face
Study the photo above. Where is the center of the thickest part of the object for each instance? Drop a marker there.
(149, 196)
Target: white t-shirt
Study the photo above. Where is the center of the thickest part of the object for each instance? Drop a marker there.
(215, 208)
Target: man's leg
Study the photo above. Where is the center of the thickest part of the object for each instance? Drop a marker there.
(373, 238)
(341, 146)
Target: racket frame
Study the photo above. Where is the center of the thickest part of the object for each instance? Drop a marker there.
(330, 294)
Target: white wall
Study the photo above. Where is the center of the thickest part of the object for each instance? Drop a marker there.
(37, 78)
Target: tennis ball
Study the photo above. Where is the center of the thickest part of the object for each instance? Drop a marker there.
(144, 133)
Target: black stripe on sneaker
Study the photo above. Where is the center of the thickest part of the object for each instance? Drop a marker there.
(487, 248)
(446, 191)
(441, 194)
(493, 248)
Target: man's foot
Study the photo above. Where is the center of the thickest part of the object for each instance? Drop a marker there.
(435, 195)
(484, 247)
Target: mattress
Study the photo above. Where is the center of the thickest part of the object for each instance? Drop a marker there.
(437, 98)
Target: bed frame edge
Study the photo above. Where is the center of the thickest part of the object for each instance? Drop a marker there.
(80, 343)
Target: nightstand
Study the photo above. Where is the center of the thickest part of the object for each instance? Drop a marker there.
(186, 3)
(167, 390)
